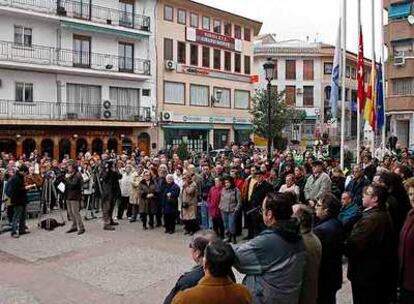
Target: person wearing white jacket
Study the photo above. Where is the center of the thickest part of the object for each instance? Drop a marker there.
(125, 183)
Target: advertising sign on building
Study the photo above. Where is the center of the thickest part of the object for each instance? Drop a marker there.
(213, 39)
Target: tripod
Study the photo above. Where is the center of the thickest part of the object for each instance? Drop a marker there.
(47, 190)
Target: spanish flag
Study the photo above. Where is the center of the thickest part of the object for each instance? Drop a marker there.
(370, 107)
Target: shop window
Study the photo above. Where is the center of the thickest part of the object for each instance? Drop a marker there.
(241, 99)
(174, 92)
(168, 13)
(206, 57)
(97, 146)
(46, 147)
(112, 145)
(221, 139)
(225, 100)
(227, 61)
(217, 59)
(199, 95)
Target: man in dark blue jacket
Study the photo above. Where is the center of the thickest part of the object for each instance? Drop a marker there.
(357, 184)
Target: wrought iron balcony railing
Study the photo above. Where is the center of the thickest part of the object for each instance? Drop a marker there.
(72, 111)
(45, 55)
(83, 9)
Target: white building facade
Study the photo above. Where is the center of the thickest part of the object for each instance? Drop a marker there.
(81, 72)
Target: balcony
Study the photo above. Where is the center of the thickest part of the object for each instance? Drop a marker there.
(84, 11)
(66, 111)
(49, 56)
(400, 103)
(398, 30)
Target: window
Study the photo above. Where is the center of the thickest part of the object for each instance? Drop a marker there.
(23, 36)
(174, 92)
(247, 34)
(199, 95)
(217, 59)
(237, 32)
(291, 69)
(194, 20)
(181, 16)
(126, 101)
(24, 92)
(308, 70)
(241, 99)
(227, 28)
(168, 49)
(353, 73)
(225, 101)
(290, 95)
(348, 71)
(399, 10)
(237, 63)
(308, 96)
(181, 52)
(227, 61)
(81, 51)
(247, 64)
(273, 89)
(276, 69)
(327, 68)
(346, 95)
(193, 54)
(168, 13)
(403, 86)
(85, 100)
(126, 57)
(217, 26)
(146, 92)
(206, 57)
(206, 23)
(126, 13)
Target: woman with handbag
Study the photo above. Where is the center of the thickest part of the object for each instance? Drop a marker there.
(148, 200)
(189, 205)
(230, 204)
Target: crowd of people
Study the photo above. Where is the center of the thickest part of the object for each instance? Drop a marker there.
(300, 217)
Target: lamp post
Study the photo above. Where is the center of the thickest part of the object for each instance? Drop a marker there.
(270, 71)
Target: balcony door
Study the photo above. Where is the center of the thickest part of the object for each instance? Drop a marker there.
(125, 103)
(81, 51)
(126, 57)
(83, 101)
(126, 13)
(81, 9)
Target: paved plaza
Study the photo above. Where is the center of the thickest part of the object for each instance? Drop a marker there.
(126, 266)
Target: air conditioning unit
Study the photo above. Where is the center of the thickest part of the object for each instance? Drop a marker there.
(72, 116)
(166, 116)
(299, 91)
(170, 65)
(399, 60)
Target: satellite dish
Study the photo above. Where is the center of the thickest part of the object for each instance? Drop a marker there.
(411, 19)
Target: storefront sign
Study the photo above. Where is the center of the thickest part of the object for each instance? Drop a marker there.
(211, 119)
(212, 74)
(213, 39)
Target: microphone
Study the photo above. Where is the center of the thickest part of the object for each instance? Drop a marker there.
(253, 210)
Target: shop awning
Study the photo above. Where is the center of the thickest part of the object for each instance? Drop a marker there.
(102, 30)
(242, 127)
(189, 126)
(399, 10)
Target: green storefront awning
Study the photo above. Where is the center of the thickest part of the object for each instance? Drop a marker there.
(103, 30)
(189, 126)
(242, 127)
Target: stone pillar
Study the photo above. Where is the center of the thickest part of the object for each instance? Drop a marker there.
(19, 147)
(56, 147)
(72, 153)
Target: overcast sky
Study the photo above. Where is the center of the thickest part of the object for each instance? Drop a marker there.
(291, 19)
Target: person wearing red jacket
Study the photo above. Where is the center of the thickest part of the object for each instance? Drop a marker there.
(213, 202)
(406, 250)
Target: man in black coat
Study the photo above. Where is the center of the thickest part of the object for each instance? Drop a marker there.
(370, 249)
(17, 191)
(260, 191)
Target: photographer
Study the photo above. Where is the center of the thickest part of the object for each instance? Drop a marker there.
(110, 192)
(73, 182)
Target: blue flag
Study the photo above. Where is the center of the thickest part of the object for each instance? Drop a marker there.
(380, 99)
(336, 72)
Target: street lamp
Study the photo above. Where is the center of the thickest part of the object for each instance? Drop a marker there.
(270, 72)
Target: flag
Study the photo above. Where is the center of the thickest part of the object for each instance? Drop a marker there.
(336, 72)
(380, 100)
(369, 109)
(360, 76)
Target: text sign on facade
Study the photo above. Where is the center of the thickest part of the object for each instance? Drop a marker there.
(213, 39)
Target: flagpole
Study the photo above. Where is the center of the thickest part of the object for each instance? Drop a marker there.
(373, 80)
(384, 127)
(343, 82)
(358, 101)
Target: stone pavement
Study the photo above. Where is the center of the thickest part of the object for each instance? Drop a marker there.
(126, 266)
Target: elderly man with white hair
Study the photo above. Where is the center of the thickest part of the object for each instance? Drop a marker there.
(169, 203)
